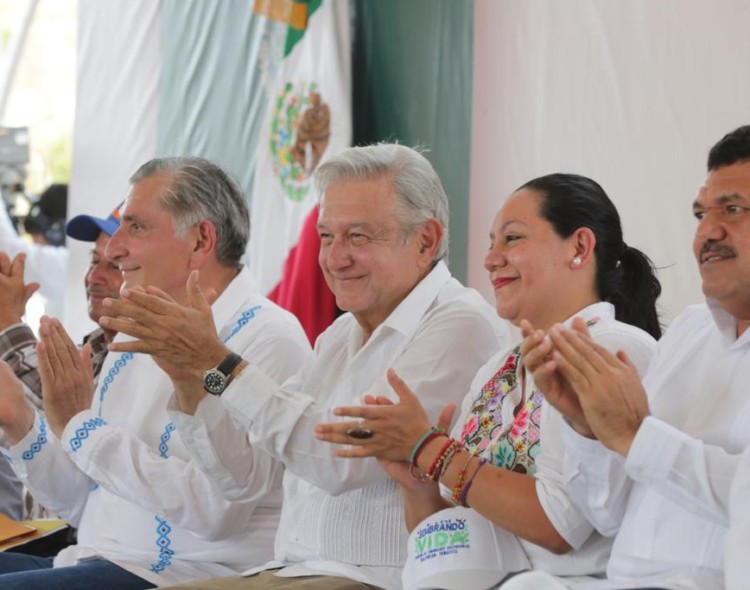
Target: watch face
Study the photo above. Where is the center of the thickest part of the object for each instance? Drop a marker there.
(214, 381)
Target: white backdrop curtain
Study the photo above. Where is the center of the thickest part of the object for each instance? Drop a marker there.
(632, 94)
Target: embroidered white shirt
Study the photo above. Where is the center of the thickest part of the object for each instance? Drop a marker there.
(122, 474)
(590, 551)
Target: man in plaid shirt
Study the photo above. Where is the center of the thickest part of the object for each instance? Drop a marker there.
(17, 341)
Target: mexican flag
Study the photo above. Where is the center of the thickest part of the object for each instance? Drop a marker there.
(308, 120)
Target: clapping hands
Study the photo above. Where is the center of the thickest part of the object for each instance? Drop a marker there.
(599, 393)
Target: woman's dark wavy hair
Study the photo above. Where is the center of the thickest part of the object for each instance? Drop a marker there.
(625, 276)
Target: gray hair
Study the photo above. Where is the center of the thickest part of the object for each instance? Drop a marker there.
(201, 190)
(419, 193)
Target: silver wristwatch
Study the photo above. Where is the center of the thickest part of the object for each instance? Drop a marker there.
(215, 380)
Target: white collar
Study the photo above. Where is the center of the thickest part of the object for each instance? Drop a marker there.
(595, 311)
(726, 322)
(235, 293)
(408, 315)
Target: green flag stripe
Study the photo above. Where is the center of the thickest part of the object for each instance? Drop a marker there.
(294, 35)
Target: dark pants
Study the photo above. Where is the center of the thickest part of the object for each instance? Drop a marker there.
(27, 572)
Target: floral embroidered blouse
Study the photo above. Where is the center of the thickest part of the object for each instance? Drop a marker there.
(522, 433)
(502, 425)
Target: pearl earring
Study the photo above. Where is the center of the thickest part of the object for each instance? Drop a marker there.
(576, 261)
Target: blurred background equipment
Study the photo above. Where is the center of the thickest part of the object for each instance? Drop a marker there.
(45, 222)
(43, 219)
(14, 156)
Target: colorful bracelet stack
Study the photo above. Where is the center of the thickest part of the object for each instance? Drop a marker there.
(422, 443)
(428, 436)
(440, 464)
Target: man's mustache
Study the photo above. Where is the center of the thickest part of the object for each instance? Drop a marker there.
(101, 292)
(712, 247)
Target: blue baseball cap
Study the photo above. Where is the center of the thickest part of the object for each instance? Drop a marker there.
(87, 227)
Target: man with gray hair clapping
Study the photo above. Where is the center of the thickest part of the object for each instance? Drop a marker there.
(107, 460)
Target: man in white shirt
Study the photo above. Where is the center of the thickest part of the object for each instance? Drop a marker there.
(383, 226)
(112, 465)
(738, 538)
(659, 475)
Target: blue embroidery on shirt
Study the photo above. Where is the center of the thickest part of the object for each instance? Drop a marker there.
(163, 445)
(246, 316)
(83, 433)
(113, 371)
(162, 542)
(37, 445)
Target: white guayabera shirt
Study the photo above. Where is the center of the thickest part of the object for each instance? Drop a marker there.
(668, 502)
(122, 474)
(344, 517)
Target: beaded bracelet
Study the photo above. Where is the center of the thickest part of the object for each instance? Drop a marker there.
(458, 488)
(426, 438)
(446, 461)
(423, 476)
(463, 496)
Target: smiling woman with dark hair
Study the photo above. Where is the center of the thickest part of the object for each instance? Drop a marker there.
(556, 252)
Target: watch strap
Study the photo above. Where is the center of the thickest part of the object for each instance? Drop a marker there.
(216, 380)
(229, 363)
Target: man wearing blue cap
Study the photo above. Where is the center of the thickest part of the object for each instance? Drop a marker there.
(17, 341)
(103, 279)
